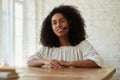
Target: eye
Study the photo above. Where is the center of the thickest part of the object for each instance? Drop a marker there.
(62, 20)
(53, 23)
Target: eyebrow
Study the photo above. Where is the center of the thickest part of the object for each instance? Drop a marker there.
(59, 19)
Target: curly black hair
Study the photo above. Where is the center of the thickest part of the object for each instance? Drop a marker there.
(76, 27)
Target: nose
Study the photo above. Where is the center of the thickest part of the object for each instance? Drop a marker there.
(58, 24)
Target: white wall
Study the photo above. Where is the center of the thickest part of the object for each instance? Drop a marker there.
(0, 27)
(10, 51)
(103, 25)
(7, 32)
(29, 28)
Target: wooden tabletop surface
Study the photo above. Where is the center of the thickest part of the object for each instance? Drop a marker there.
(33, 73)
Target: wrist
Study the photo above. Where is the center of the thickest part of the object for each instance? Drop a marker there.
(44, 62)
(70, 63)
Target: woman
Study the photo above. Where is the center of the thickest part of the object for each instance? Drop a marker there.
(64, 43)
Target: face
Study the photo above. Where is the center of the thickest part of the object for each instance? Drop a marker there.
(60, 25)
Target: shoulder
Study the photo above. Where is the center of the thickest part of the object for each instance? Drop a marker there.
(41, 48)
(84, 43)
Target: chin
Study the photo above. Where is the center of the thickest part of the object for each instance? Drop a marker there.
(60, 36)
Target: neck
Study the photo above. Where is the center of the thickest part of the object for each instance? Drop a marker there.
(64, 41)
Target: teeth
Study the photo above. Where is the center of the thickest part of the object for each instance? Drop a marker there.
(61, 29)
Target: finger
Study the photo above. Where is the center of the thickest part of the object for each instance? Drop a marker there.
(53, 66)
(56, 64)
(61, 62)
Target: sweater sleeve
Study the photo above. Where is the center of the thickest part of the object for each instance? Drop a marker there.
(90, 53)
(37, 54)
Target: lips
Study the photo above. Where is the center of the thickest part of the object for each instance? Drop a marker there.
(61, 29)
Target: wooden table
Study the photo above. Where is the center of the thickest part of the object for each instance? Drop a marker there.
(32, 73)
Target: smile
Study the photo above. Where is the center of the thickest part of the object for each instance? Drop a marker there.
(61, 29)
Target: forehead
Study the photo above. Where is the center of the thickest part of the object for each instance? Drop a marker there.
(57, 16)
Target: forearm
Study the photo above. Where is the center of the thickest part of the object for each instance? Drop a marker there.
(35, 63)
(84, 64)
(81, 64)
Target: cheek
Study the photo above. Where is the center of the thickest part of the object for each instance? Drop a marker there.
(66, 24)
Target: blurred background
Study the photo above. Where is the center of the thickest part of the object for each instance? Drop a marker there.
(20, 24)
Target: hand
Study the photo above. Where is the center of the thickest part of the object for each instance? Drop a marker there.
(53, 63)
(65, 63)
